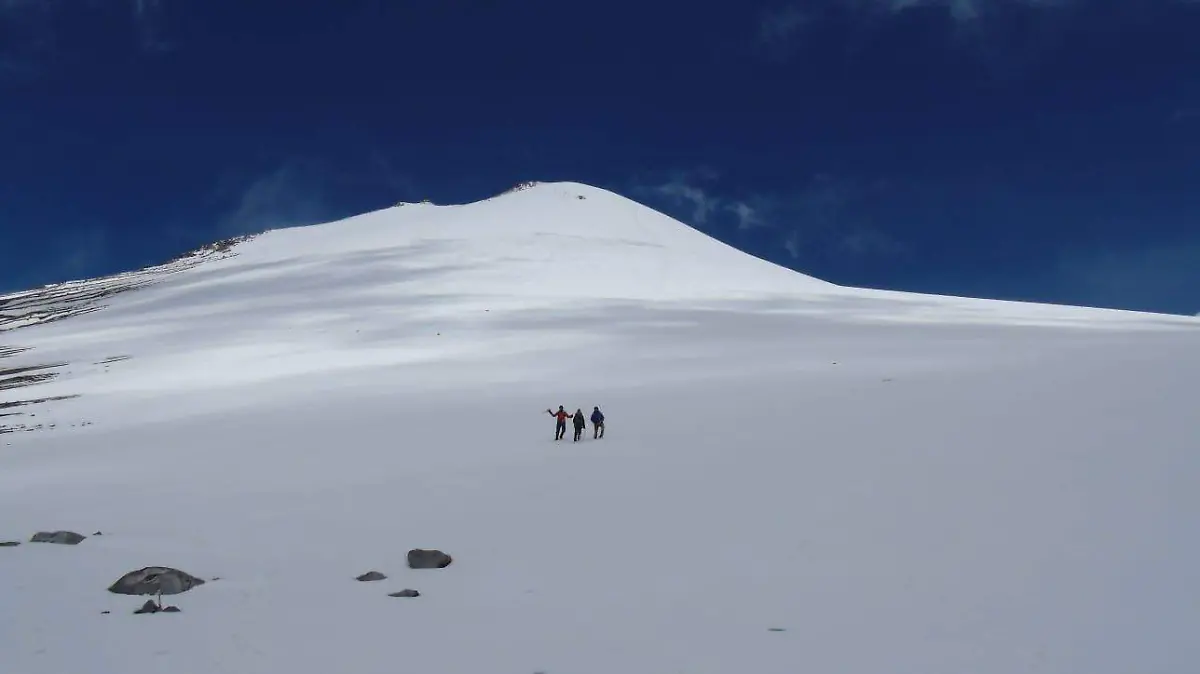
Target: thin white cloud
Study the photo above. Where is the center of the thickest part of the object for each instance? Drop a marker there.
(703, 206)
(778, 28)
(84, 250)
(70, 253)
(684, 188)
(792, 244)
(15, 5)
(1185, 114)
(149, 17)
(31, 29)
(289, 196)
(969, 10)
(300, 191)
(1154, 278)
(27, 38)
(820, 219)
(783, 29)
(747, 215)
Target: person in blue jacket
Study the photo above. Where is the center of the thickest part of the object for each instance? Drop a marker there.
(597, 423)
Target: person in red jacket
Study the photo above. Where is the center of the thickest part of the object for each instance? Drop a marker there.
(560, 428)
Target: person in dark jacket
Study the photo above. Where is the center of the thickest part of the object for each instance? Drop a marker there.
(597, 423)
(560, 426)
(579, 422)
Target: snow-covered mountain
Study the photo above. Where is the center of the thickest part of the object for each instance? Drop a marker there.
(796, 476)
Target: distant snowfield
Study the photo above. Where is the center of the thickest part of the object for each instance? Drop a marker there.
(797, 477)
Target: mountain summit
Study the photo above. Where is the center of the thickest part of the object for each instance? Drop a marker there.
(540, 240)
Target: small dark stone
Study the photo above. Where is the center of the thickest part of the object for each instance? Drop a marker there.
(775, 629)
(9, 544)
(428, 559)
(148, 607)
(172, 609)
(405, 593)
(98, 533)
(105, 612)
(371, 576)
(58, 537)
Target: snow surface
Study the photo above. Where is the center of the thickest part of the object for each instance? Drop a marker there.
(900, 483)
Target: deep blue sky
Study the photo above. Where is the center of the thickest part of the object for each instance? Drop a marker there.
(1045, 150)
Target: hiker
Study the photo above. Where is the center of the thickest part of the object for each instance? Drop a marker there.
(579, 422)
(560, 428)
(597, 423)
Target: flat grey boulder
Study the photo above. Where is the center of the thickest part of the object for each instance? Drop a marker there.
(371, 576)
(428, 559)
(405, 593)
(9, 544)
(155, 580)
(58, 537)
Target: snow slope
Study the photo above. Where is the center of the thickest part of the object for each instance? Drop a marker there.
(899, 483)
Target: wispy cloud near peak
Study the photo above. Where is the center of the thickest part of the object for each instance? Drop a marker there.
(818, 220)
(693, 189)
(288, 196)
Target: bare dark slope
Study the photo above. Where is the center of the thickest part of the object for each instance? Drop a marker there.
(62, 301)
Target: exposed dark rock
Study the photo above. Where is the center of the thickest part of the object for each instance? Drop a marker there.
(428, 559)
(405, 593)
(521, 186)
(25, 428)
(105, 612)
(148, 607)
(371, 576)
(9, 544)
(151, 607)
(154, 580)
(98, 533)
(17, 377)
(58, 537)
